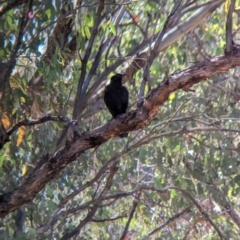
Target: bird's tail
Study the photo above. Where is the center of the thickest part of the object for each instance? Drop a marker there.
(123, 135)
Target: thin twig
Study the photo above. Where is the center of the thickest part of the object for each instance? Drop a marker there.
(108, 219)
(134, 206)
(170, 220)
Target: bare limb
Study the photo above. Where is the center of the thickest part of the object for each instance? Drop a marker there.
(28, 122)
(11, 5)
(185, 130)
(134, 206)
(108, 219)
(204, 213)
(94, 208)
(172, 36)
(226, 205)
(82, 96)
(71, 196)
(85, 59)
(229, 40)
(61, 32)
(151, 58)
(5, 74)
(189, 196)
(170, 220)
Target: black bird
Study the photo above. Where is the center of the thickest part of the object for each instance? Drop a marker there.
(116, 97)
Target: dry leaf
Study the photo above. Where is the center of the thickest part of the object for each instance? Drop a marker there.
(5, 120)
(24, 170)
(21, 132)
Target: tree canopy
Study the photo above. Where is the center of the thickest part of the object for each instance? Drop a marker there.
(64, 171)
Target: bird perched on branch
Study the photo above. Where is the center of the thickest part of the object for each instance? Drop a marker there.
(116, 97)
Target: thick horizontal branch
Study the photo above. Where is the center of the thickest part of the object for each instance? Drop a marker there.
(51, 165)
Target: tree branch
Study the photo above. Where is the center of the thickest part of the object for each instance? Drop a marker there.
(12, 5)
(71, 196)
(204, 213)
(82, 98)
(61, 33)
(134, 206)
(229, 40)
(5, 74)
(108, 219)
(28, 122)
(51, 165)
(138, 61)
(88, 51)
(170, 220)
(95, 206)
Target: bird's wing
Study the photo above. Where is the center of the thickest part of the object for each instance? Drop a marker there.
(107, 96)
(110, 101)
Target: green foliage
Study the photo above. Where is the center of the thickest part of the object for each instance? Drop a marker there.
(192, 143)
